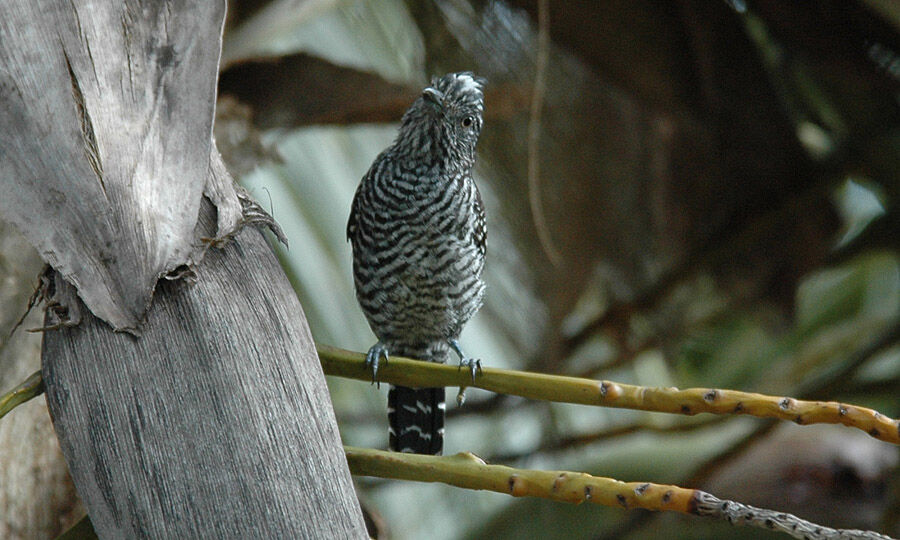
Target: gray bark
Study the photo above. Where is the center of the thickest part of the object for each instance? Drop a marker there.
(216, 422)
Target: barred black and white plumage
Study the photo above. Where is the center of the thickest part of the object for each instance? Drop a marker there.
(417, 229)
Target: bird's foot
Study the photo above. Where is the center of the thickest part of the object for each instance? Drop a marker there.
(375, 354)
(473, 365)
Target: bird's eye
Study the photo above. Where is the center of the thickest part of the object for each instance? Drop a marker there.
(467, 122)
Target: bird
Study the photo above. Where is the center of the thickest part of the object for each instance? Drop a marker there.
(418, 235)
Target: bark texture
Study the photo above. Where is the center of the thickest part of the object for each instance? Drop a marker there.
(216, 422)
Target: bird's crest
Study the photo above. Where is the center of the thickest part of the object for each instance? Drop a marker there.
(457, 90)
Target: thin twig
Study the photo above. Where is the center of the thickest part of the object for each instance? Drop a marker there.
(36, 296)
(563, 389)
(534, 134)
(469, 471)
(30, 388)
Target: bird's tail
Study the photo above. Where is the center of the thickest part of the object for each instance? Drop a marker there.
(416, 418)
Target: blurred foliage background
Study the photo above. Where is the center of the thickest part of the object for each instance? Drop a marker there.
(719, 185)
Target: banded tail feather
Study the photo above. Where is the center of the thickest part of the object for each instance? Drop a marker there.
(416, 418)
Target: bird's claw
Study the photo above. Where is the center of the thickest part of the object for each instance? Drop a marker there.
(473, 365)
(376, 352)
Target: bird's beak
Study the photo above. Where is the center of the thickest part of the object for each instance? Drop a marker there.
(435, 97)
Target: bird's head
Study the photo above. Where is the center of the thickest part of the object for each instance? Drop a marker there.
(445, 121)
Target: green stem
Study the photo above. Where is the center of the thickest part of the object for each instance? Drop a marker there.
(561, 389)
(30, 388)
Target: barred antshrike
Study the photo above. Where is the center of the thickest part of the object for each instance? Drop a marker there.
(418, 235)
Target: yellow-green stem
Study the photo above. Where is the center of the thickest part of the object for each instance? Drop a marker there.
(31, 387)
(564, 389)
